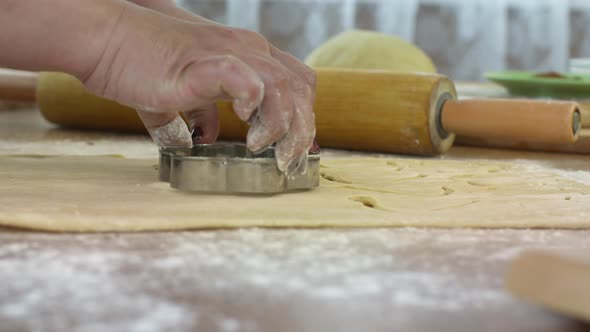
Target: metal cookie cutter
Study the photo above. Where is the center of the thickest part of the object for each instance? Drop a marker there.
(232, 168)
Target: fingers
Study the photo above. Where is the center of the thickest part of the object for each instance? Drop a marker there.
(286, 113)
(292, 148)
(297, 67)
(222, 77)
(273, 119)
(204, 124)
(282, 114)
(166, 129)
(201, 84)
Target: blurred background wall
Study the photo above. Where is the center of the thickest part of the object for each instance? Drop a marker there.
(464, 37)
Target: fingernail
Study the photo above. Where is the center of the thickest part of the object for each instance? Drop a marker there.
(244, 109)
(315, 148)
(257, 138)
(253, 117)
(196, 134)
(283, 167)
(298, 166)
(173, 134)
(245, 106)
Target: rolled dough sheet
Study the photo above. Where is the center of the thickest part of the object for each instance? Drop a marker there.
(117, 194)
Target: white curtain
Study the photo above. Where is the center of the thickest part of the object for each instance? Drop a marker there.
(464, 37)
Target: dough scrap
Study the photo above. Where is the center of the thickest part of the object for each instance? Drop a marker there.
(97, 194)
(359, 49)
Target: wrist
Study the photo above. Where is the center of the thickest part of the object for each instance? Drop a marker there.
(169, 7)
(109, 16)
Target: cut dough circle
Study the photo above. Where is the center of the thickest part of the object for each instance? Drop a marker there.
(359, 49)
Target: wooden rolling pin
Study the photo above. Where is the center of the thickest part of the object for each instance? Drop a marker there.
(555, 280)
(363, 110)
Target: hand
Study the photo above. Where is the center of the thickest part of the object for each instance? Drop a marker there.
(162, 65)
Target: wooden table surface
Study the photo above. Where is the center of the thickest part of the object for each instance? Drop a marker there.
(265, 280)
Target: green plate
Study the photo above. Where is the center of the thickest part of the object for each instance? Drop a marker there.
(529, 84)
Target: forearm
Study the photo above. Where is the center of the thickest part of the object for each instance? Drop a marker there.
(56, 35)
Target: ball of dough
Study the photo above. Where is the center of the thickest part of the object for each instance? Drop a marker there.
(359, 49)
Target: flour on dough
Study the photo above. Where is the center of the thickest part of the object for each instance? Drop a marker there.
(114, 194)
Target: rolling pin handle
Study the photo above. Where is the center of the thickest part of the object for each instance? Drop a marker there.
(17, 85)
(516, 120)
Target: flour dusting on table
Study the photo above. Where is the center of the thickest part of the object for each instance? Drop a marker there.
(233, 280)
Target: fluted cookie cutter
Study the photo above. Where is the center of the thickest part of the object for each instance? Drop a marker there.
(232, 168)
